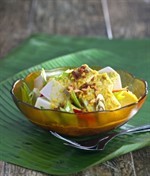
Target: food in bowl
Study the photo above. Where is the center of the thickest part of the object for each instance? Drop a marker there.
(80, 89)
(79, 101)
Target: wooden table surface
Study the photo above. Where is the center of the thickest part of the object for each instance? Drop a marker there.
(107, 18)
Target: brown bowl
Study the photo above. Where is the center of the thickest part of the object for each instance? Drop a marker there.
(85, 123)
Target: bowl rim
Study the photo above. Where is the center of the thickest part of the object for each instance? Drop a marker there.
(59, 111)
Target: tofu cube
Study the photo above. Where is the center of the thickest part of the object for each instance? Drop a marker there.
(39, 82)
(115, 78)
(54, 92)
(42, 103)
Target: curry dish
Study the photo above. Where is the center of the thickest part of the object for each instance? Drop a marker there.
(81, 89)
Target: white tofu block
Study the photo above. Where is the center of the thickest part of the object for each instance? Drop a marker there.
(42, 103)
(106, 70)
(54, 91)
(39, 82)
(117, 81)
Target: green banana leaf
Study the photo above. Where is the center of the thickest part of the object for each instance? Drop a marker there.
(42, 47)
(27, 145)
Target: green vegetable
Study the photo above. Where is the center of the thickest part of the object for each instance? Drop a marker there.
(27, 94)
(43, 74)
(68, 106)
(63, 75)
(87, 106)
(75, 99)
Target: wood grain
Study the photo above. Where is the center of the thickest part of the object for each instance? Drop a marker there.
(42, 18)
(79, 17)
(142, 161)
(121, 166)
(20, 19)
(14, 17)
(130, 18)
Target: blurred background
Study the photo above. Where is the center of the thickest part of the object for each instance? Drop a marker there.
(105, 18)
